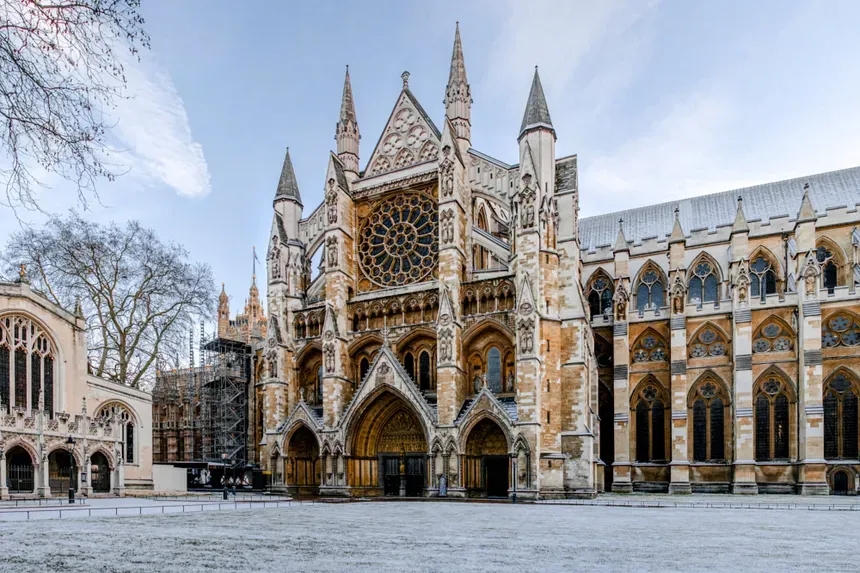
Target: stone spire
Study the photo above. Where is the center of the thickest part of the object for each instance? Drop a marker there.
(807, 211)
(458, 95)
(740, 224)
(537, 112)
(621, 240)
(677, 235)
(346, 132)
(223, 313)
(288, 187)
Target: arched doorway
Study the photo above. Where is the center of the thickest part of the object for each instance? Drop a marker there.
(100, 473)
(303, 461)
(389, 449)
(61, 472)
(20, 471)
(486, 469)
(841, 479)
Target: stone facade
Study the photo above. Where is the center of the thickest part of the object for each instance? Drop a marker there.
(59, 426)
(467, 335)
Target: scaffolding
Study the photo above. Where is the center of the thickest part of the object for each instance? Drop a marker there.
(224, 408)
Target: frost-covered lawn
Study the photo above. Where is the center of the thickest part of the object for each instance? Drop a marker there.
(428, 536)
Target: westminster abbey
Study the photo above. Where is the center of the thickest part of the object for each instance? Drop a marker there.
(467, 335)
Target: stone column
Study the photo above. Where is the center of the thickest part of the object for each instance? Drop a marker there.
(4, 490)
(43, 485)
(679, 467)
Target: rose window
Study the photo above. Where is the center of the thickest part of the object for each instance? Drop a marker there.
(398, 241)
(842, 330)
(772, 337)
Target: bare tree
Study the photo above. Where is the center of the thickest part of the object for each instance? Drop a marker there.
(138, 294)
(60, 73)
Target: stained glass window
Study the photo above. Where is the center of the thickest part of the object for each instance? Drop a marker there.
(703, 286)
(600, 296)
(840, 418)
(398, 241)
(829, 274)
(708, 422)
(762, 278)
(772, 420)
(494, 369)
(649, 293)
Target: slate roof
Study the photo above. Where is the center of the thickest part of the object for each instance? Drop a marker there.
(338, 170)
(565, 174)
(761, 202)
(537, 112)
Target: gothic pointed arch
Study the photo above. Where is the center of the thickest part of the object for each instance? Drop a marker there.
(832, 260)
(841, 394)
(488, 348)
(600, 291)
(708, 341)
(650, 346)
(603, 351)
(704, 279)
(485, 447)
(650, 287)
(26, 445)
(60, 446)
(773, 335)
(774, 411)
(105, 451)
(709, 411)
(650, 416)
(765, 272)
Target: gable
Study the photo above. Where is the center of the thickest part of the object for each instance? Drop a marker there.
(409, 137)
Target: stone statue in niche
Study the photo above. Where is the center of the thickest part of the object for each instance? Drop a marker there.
(526, 332)
(447, 220)
(331, 250)
(328, 351)
(331, 202)
(445, 348)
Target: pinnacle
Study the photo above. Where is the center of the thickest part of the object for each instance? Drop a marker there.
(347, 105)
(740, 225)
(537, 112)
(288, 187)
(458, 64)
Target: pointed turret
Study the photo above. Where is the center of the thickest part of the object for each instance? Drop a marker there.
(458, 95)
(621, 240)
(677, 235)
(346, 132)
(740, 224)
(807, 211)
(223, 313)
(536, 115)
(288, 187)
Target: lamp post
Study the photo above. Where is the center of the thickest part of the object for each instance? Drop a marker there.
(70, 445)
(224, 473)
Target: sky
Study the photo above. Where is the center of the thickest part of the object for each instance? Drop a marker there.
(660, 100)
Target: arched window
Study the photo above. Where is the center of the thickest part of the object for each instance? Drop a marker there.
(23, 344)
(651, 291)
(840, 329)
(773, 336)
(649, 347)
(320, 384)
(708, 341)
(494, 369)
(703, 285)
(600, 295)
(824, 255)
(772, 419)
(651, 429)
(127, 425)
(762, 278)
(409, 365)
(709, 403)
(424, 370)
(841, 417)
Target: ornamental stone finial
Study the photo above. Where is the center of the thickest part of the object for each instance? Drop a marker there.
(405, 77)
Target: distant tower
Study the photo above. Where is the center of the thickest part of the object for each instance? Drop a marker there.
(458, 96)
(346, 132)
(223, 313)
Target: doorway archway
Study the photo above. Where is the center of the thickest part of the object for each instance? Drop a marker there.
(389, 449)
(486, 463)
(61, 472)
(100, 473)
(841, 481)
(303, 461)
(20, 471)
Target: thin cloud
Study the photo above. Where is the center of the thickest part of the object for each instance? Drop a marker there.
(153, 130)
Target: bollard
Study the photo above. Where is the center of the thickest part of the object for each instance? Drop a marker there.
(71, 496)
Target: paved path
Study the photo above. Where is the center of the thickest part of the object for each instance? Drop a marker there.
(403, 536)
